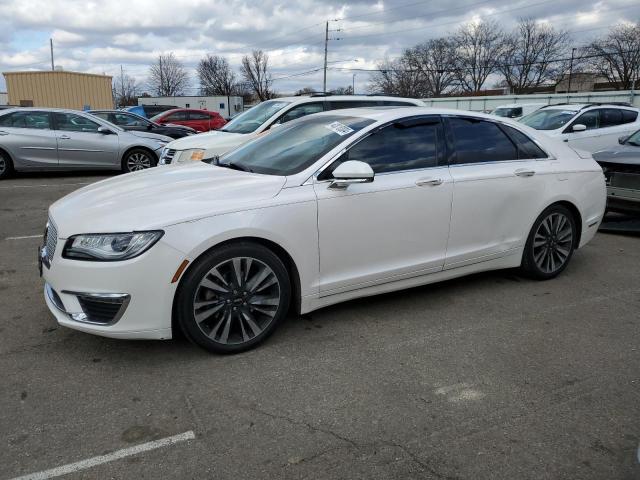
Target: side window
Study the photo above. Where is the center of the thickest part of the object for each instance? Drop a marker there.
(103, 115)
(341, 104)
(527, 149)
(128, 120)
(589, 119)
(480, 141)
(629, 116)
(301, 111)
(610, 117)
(397, 147)
(176, 117)
(70, 122)
(36, 120)
(199, 116)
(394, 103)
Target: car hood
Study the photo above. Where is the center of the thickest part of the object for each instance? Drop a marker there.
(152, 136)
(160, 197)
(213, 141)
(625, 154)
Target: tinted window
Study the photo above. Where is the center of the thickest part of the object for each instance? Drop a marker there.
(70, 122)
(514, 112)
(480, 141)
(526, 147)
(398, 147)
(395, 103)
(295, 146)
(341, 104)
(301, 111)
(38, 120)
(199, 116)
(610, 117)
(589, 119)
(129, 120)
(629, 116)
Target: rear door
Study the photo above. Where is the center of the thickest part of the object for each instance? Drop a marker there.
(29, 139)
(201, 121)
(80, 145)
(499, 180)
(179, 118)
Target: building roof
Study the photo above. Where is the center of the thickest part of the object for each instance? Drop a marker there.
(55, 72)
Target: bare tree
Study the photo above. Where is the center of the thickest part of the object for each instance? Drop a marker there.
(479, 49)
(255, 71)
(618, 55)
(216, 76)
(342, 91)
(168, 77)
(532, 55)
(305, 91)
(395, 77)
(124, 90)
(434, 60)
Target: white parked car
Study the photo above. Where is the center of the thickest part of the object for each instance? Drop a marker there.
(588, 127)
(259, 119)
(331, 207)
(517, 110)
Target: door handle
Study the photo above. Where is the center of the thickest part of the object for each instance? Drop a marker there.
(525, 173)
(64, 137)
(2, 132)
(429, 181)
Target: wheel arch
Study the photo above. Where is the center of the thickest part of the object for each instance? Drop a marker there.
(137, 147)
(575, 211)
(281, 253)
(6, 152)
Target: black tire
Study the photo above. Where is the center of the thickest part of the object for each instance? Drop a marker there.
(246, 312)
(6, 166)
(550, 244)
(138, 159)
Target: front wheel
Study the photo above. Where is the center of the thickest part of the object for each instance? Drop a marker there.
(138, 159)
(550, 244)
(233, 298)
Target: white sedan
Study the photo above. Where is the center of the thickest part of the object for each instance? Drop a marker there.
(330, 207)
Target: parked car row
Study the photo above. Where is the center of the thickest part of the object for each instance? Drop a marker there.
(324, 208)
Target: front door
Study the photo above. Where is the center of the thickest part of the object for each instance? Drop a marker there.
(499, 181)
(395, 227)
(81, 145)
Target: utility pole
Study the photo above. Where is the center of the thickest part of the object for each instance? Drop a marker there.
(51, 45)
(121, 85)
(573, 51)
(326, 44)
(353, 84)
(161, 89)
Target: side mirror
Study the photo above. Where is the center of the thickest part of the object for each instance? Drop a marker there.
(622, 139)
(578, 127)
(105, 131)
(349, 172)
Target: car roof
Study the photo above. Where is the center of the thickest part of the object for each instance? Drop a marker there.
(180, 109)
(515, 105)
(362, 98)
(46, 109)
(576, 107)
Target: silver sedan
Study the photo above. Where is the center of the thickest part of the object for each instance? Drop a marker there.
(36, 139)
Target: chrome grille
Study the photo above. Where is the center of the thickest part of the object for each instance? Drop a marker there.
(167, 156)
(51, 240)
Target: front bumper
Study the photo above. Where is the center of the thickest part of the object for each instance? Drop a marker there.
(130, 299)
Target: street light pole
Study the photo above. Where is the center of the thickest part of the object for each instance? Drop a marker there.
(326, 44)
(573, 51)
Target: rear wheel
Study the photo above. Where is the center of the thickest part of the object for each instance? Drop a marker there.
(550, 244)
(233, 298)
(138, 159)
(6, 166)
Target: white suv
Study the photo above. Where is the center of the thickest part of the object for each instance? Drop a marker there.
(262, 117)
(589, 127)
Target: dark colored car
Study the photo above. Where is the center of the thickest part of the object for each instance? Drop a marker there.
(201, 120)
(132, 122)
(621, 167)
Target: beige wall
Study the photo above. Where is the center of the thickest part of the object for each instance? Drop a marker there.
(59, 89)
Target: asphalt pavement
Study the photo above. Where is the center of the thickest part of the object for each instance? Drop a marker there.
(492, 376)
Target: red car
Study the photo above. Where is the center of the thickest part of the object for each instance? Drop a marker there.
(200, 120)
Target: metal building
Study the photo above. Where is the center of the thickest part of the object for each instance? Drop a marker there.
(59, 89)
(227, 106)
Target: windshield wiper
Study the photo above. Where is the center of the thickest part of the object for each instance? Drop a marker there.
(236, 166)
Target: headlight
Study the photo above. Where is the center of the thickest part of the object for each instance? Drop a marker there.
(110, 246)
(197, 155)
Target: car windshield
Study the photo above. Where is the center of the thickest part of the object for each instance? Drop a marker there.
(508, 112)
(634, 139)
(548, 119)
(249, 121)
(293, 147)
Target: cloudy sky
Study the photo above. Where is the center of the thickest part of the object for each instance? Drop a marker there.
(100, 36)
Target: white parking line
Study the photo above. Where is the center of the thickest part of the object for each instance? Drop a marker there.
(109, 457)
(45, 185)
(24, 238)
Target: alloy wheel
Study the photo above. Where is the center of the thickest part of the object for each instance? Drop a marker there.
(553, 242)
(138, 161)
(3, 165)
(236, 300)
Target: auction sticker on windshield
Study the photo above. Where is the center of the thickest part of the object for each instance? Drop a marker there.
(339, 128)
